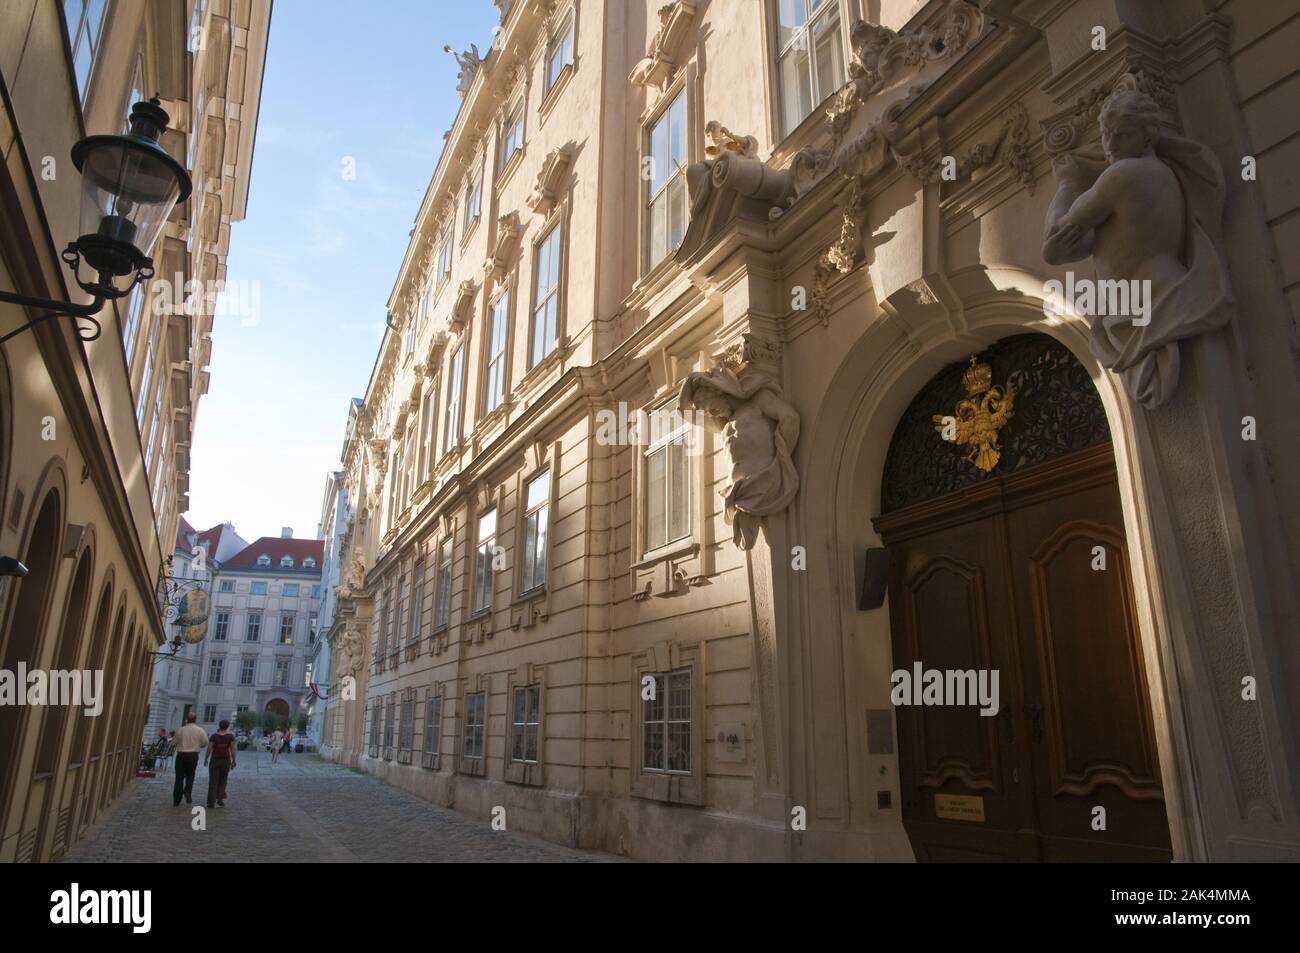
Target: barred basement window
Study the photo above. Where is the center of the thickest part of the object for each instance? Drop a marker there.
(666, 724)
(475, 721)
(525, 723)
(432, 725)
(408, 724)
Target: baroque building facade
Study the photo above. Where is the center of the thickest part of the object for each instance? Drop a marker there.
(823, 246)
(95, 430)
(176, 674)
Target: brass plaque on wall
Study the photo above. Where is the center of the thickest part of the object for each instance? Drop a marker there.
(959, 807)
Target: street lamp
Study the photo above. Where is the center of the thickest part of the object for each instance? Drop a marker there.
(129, 185)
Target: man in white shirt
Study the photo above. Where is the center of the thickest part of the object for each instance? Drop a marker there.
(190, 740)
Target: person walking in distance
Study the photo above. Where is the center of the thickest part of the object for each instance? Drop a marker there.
(288, 739)
(277, 739)
(219, 761)
(190, 740)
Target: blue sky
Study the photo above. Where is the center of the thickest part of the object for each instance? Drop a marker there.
(366, 80)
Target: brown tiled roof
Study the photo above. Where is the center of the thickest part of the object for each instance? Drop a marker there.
(277, 548)
(183, 533)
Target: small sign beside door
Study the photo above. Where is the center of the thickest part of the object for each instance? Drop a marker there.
(958, 807)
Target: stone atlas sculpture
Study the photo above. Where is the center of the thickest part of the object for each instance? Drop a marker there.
(760, 431)
(1150, 210)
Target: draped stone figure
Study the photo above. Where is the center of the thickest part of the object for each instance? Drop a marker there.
(760, 430)
(1150, 210)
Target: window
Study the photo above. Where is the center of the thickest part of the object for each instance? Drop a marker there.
(309, 563)
(239, 708)
(290, 589)
(451, 428)
(444, 256)
(247, 668)
(402, 606)
(483, 568)
(254, 629)
(408, 466)
(306, 676)
(410, 336)
(561, 53)
(442, 612)
(407, 733)
(536, 515)
(85, 20)
(146, 376)
(512, 134)
(286, 628)
(475, 711)
(374, 724)
(429, 421)
(257, 589)
(216, 666)
(131, 327)
(417, 602)
(264, 560)
(473, 200)
(432, 725)
(496, 367)
(389, 711)
(810, 56)
(281, 672)
(666, 724)
(311, 630)
(153, 429)
(668, 485)
(315, 590)
(666, 186)
(286, 562)
(426, 303)
(546, 301)
(227, 585)
(221, 632)
(525, 723)
(209, 714)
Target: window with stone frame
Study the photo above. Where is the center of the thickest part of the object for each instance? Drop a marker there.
(666, 723)
(484, 570)
(537, 500)
(390, 713)
(432, 728)
(247, 669)
(442, 610)
(221, 629)
(667, 462)
(286, 628)
(475, 726)
(417, 603)
(407, 734)
(512, 134)
(429, 430)
(209, 714)
(375, 715)
(545, 323)
(451, 427)
(253, 631)
(473, 200)
(216, 669)
(282, 672)
(665, 182)
(494, 390)
(810, 56)
(84, 20)
(559, 53)
(445, 254)
(525, 723)
(403, 606)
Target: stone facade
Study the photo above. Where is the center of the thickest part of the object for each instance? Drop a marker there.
(800, 282)
(95, 430)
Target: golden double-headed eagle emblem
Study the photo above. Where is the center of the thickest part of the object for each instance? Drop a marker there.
(978, 418)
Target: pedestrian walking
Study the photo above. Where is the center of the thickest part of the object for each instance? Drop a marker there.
(219, 761)
(277, 739)
(190, 740)
(288, 739)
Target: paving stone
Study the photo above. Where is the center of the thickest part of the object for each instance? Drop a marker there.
(302, 809)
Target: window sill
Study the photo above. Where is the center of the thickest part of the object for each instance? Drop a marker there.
(674, 550)
(508, 170)
(540, 369)
(669, 788)
(528, 773)
(552, 95)
(473, 766)
(470, 228)
(429, 762)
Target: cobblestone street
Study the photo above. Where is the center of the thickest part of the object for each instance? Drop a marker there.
(301, 809)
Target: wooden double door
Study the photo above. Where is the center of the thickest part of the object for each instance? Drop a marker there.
(1028, 575)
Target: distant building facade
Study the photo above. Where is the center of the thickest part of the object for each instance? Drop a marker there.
(262, 630)
(334, 521)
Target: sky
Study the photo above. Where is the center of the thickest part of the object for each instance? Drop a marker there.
(366, 81)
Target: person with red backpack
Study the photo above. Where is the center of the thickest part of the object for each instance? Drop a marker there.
(219, 760)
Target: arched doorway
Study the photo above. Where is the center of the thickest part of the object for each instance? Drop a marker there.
(1009, 581)
(278, 706)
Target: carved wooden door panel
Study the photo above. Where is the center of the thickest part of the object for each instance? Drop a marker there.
(949, 610)
(1086, 708)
